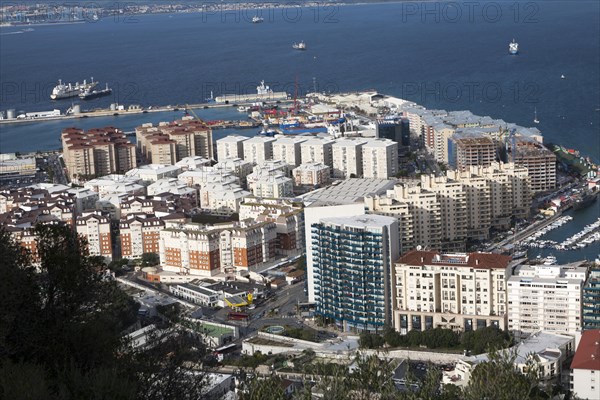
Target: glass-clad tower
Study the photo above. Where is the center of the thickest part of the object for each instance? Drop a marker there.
(353, 262)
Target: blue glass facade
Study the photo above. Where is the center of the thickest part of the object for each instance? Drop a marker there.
(352, 275)
(591, 300)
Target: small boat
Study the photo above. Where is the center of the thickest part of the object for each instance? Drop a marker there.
(513, 48)
(299, 46)
(257, 20)
(562, 77)
(535, 118)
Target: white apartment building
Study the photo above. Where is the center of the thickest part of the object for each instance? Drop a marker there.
(258, 149)
(276, 185)
(197, 249)
(586, 366)
(95, 229)
(236, 166)
(139, 234)
(171, 185)
(201, 177)
(347, 158)
(457, 291)
(380, 158)
(222, 198)
(287, 149)
(317, 150)
(546, 297)
(154, 172)
(189, 249)
(311, 174)
(231, 146)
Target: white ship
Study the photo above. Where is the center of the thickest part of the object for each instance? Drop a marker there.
(535, 118)
(66, 90)
(299, 46)
(257, 20)
(513, 48)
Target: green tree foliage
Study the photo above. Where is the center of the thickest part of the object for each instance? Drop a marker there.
(150, 259)
(499, 379)
(478, 341)
(262, 389)
(61, 330)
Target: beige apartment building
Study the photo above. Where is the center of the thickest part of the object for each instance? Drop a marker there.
(287, 149)
(440, 213)
(311, 174)
(175, 140)
(231, 146)
(96, 152)
(459, 291)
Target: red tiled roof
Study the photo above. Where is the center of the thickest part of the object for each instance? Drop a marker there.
(587, 355)
(475, 260)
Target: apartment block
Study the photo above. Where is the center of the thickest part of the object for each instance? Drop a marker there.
(440, 213)
(312, 175)
(380, 158)
(546, 297)
(259, 149)
(473, 150)
(591, 299)
(189, 249)
(96, 152)
(94, 227)
(139, 234)
(540, 163)
(287, 216)
(585, 383)
(353, 261)
(197, 249)
(182, 138)
(231, 146)
(287, 149)
(317, 150)
(347, 158)
(459, 291)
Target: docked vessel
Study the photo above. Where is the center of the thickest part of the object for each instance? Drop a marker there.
(263, 93)
(91, 94)
(585, 200)
(66, 90)
(257, 20)
(299, 46)
(513, 48)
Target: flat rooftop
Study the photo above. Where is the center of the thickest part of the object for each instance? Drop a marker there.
(347, 192)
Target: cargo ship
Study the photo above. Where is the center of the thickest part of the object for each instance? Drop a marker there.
(585, 200)
(66, 90)
(92, 94)
(263, 93)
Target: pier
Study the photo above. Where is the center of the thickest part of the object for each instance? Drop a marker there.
(131, 110)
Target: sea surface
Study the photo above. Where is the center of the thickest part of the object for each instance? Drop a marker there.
(451, 56)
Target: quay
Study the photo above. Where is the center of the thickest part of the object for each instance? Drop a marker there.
(131, 110)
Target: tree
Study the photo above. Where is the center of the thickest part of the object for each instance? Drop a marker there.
(150, 259)
(61, 330)
(499, 379)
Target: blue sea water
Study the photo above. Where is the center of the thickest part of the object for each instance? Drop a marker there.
(439, 56)
(442, 56)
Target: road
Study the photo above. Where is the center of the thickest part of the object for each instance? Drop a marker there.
(58, 171)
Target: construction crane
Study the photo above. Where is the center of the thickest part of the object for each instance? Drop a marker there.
(510, 136)
(189, 109)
